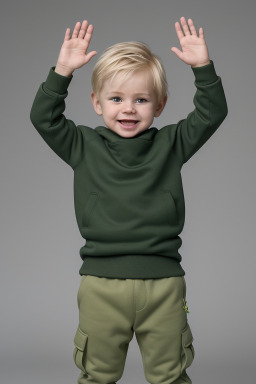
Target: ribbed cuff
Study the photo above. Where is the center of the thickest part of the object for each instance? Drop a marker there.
(205, 74)
(56, 82)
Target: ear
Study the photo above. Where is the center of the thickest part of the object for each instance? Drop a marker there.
(160, 106)
(96, 104)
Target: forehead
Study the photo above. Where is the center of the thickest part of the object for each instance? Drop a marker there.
(137, 81)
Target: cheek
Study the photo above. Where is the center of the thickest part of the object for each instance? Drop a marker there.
(148, 112)
(111, 111)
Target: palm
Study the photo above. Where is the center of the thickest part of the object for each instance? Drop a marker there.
(194, 50)
(73, 53)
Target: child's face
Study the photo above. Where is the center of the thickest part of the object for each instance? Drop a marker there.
(129, 106)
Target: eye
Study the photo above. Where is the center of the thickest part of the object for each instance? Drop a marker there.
(141, 101)
(116, 99)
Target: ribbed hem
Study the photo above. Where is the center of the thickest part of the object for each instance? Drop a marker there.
(131, 267)
(56, 82)
(205, 74)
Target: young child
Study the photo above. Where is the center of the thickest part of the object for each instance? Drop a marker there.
(129, 200)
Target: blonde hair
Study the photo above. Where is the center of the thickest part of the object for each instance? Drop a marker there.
(126, 58)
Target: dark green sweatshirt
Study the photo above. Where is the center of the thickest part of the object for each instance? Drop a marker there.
(128, 194)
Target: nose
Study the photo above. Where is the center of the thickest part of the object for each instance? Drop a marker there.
(128, 107)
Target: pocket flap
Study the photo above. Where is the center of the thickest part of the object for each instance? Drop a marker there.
(187, 337)
(80, 339)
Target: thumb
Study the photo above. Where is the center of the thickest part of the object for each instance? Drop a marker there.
(89, 56)
(177, 51)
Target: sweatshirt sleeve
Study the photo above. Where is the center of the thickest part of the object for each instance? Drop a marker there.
(61, 134)
(189, 135)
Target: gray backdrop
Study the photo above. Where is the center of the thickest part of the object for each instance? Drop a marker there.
(40, 240)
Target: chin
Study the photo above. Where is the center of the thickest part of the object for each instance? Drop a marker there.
(129, 133)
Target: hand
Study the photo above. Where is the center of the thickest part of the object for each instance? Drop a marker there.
(73, 53)
(194, 49)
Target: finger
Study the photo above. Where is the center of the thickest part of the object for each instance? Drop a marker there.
(179, 32)
(185, 26)
(201, 33)
(83, 29)
(88, 35)
(67, 34)
(192, 27)
(76, 30)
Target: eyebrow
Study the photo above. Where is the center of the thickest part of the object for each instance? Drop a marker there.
(121, 93)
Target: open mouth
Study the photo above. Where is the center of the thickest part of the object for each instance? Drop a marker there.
(128, 123)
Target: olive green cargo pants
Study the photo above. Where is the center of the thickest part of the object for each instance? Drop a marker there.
(111, 310)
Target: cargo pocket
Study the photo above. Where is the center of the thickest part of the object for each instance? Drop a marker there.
(187, 352)
(79, 354)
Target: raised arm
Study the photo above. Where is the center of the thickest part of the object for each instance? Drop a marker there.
(189, 134)
(194, 49)
(61, 134)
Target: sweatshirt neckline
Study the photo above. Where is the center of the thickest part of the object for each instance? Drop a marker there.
(113, 137)
(128, 151)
